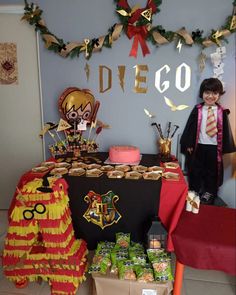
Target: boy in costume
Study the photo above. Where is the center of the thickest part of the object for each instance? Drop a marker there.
(206, 137)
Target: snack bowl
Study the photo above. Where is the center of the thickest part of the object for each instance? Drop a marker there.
(151, 175)
(76, 171)
(156, 169)
(139, 168)
(94, 172)
(123, 168)
(62, 165)
(59, 171)
(107, 168)
(48, 164)
(115, 174)
(171, 165)
(79, 165)
(171, 175)
(133, 175)
(93, 166)
(39, 169)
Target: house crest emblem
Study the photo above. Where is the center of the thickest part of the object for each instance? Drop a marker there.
(101, 210)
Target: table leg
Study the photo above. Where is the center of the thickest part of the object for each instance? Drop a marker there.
(179, 271)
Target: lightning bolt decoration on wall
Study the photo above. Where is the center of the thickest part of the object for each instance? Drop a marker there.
(87, 71)
(121, 75)
(148, 113)
(179, 45)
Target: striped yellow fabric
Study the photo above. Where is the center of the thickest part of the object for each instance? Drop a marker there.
(211, 124)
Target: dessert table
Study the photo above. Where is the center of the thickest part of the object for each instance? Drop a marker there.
(206, 240)
(138, 202)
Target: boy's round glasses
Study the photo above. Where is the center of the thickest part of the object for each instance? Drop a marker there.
(212, 93)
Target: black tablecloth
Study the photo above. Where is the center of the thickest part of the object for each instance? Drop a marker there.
(138, 203)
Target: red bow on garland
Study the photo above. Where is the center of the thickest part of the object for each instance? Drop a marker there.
(138, 32)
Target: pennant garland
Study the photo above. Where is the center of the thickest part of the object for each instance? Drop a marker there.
(136, 23)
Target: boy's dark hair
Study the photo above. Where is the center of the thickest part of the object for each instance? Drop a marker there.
(211, 84)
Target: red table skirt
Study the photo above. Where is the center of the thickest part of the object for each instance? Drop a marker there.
(207, 240)
(172, 202)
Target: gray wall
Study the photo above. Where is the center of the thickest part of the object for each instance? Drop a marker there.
(75, 20)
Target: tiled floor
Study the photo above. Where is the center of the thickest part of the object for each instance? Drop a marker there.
(196, 282)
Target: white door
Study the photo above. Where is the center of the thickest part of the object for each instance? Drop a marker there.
(20, 112)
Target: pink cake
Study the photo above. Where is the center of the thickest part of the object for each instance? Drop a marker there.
(124, 154)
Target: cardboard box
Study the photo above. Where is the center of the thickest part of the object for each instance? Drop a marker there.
(110, 284)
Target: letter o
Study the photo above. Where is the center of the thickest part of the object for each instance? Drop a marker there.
(187, 77)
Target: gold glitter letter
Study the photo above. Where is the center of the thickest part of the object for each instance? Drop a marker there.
(109, 73)
(139, 79)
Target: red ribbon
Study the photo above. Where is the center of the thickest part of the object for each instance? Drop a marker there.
(124, 4)
(139, 34)
(150, 4)
(136, 15)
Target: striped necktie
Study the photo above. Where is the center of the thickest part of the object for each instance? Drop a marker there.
(211, 125)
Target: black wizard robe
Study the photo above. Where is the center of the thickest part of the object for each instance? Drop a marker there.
(190, 136)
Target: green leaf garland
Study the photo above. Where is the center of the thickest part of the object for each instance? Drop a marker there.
(156, 35)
